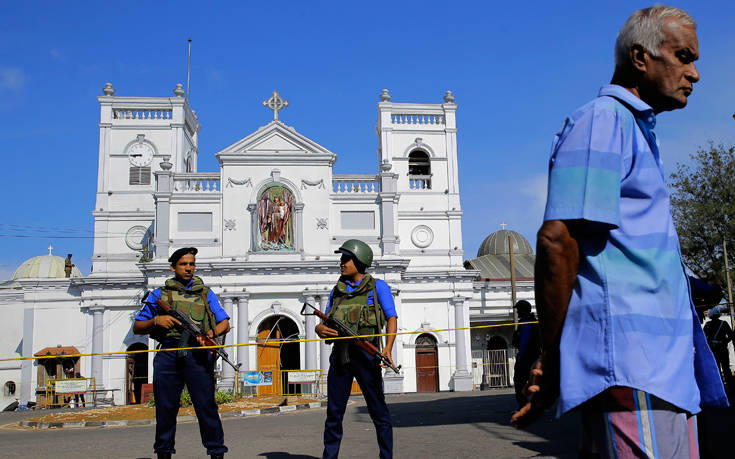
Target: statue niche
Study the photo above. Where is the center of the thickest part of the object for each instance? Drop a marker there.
(275, 222)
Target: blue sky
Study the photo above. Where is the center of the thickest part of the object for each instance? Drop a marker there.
(516, 70)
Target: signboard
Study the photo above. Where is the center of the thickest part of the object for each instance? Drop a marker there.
(71, 386)
(302, 377)
(257, 378)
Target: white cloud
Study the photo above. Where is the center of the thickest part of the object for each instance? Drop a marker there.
(11, 78)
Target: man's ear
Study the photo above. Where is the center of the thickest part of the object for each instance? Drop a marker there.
(639, 57)
(172, 268)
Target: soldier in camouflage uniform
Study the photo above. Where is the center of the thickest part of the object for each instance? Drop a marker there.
(364, 304)
(195, 368)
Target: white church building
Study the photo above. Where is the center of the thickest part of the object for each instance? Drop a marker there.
(266, 224)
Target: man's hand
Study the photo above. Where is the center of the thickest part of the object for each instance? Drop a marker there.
(325, 332)
(166, 322)
(386, 353)
(542, 390)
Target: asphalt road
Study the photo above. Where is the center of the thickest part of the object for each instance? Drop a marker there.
(451, 425)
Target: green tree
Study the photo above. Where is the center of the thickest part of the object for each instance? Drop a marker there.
(703, 207)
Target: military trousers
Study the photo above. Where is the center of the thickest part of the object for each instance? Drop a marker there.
(366, 369)
(170, 372)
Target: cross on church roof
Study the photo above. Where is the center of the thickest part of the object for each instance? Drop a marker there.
(503, 225)
(275, 103)
(50, 248)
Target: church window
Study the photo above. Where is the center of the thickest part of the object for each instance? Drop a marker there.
(419, 170)
(275, 220)
(9, 388)
(140, 175)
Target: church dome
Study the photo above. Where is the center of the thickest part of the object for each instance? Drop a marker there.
(497, 244)
(44, 266)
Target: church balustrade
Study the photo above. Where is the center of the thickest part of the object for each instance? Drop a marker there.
(419, 182)
(420, 119)
(141, 114)
(355, 184)
(197, 182)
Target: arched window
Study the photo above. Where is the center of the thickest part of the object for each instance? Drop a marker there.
(419, 170)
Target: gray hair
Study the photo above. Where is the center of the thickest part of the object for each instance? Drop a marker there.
(645, 27)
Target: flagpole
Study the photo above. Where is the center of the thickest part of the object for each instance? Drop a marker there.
(188, 70)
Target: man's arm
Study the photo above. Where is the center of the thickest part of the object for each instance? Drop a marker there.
(555, 272)
(390, 329)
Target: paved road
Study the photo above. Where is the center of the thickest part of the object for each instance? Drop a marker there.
(451, 425)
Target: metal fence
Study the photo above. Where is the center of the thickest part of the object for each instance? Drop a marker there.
(491, 367)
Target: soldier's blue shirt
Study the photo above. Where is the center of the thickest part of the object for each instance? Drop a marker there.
(150, 308)
(385, 297)
(631, 321)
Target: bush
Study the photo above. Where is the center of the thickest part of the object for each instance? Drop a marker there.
(223, 396)
(220, 397)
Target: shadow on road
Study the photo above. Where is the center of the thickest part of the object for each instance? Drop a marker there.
(284, 455)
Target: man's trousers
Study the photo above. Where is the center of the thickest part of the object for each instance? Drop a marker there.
(170, 373)
(366, 370)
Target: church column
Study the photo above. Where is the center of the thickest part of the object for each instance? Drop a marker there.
(324, 348)
(393, 382)
(299, 210)
(243, 326)
(461, 379)
(26, 366)
(253, 209)
(310, 348)
(162, 199)
(97, 343)
(388, 198)
(228, 373)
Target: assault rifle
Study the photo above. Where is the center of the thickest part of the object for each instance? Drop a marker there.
(189, 327)
(344, 330)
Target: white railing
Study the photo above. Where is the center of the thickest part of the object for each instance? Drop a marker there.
(417, 118)
(419, 182)
(141, 114)
(197, 182)
(355, 184)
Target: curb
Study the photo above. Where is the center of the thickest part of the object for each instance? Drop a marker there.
(147, 422)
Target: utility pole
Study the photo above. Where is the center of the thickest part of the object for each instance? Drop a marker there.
(727, 275)
(512, 281)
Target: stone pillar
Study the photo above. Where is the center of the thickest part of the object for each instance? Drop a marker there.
(97, 343)
(388, 200)
(162, 200)
(243, 326)
(227, 382)
(461, 379)
(299, 227)
(310, 346)
(26, 366)
(324, 349)
(392, 382)
(253, 209)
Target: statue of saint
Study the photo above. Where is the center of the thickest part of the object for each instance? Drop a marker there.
(68, 265)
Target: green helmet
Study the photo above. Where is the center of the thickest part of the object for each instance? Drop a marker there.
(359, 250)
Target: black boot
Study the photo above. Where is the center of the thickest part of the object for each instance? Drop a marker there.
(164, 455)
(217, 456)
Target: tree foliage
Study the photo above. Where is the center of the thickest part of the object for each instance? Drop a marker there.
(703, 207)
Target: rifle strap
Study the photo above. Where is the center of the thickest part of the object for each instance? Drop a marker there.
(376, 304)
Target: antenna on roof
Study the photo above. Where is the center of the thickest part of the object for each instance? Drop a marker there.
(188, 71)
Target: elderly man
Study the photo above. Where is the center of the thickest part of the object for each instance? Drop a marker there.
(620, 337)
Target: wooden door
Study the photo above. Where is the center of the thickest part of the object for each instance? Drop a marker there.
(427, 373)
(269, 359)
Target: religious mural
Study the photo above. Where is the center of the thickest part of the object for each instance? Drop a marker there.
(274, 219)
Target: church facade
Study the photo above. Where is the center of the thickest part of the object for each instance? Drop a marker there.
(266, 224)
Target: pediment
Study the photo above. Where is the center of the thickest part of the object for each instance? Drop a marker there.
(275, 139)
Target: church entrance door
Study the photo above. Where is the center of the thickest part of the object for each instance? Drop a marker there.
(427, 363)
(136, 373)
(275, 354)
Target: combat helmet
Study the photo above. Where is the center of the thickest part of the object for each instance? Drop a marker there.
(361, 251)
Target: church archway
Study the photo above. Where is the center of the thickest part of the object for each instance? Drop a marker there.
(427, 364)
(136, 373)
(495, 361)
(274, 355)
(496, 343)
